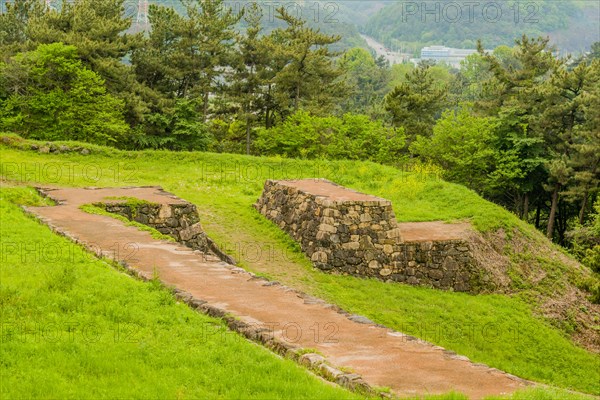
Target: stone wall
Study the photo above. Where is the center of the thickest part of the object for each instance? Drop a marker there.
(179, 220)
(361, 237)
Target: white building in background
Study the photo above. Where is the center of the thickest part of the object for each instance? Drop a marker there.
(443, 54)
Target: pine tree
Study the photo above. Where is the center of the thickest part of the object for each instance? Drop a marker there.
(97, 28)
(13, 26)
(415, 103)
(208, 36)
(514, 96)
(308, 78)
(586, 143)
(185, 56)
(156, 61)
(250, 72)
(559, 119)
(367, 79)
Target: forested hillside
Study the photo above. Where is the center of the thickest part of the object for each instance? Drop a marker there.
(573, 25)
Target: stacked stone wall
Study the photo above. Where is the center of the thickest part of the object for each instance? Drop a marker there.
(362, 238)
(179, 220)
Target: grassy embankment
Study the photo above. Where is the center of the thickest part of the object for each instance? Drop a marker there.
(75, 327)
(499, 330)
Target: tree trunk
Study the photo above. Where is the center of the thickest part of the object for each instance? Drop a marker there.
(526, 207)
(247, 136)
(518, 205)
(552, 217)
(562, 222)
(583, 207)
(268, 110)
(205, 106)
(538, 213)
(183, 91)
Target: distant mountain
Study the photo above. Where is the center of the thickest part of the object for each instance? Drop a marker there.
(572, 25)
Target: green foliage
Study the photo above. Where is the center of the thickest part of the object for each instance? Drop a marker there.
(415, 103)
(592, 258)
(594, 53)
(399, 73)
(544, 146)
(248, 76)
(97, 28)
(48, 94)
(367, 79)
(470, 80)
(177, 128)
(251, 73)
(354, 137)
(586, 240)
(306, 78)
(14, 17)
(513, 95)
(189, 132)
(462, 144)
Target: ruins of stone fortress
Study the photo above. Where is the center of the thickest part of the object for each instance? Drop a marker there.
(342, 231)
(347, 232)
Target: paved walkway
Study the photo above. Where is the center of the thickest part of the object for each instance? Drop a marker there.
(383, 357)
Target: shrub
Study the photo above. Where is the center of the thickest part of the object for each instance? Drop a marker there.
(354, 137)
(48, 94)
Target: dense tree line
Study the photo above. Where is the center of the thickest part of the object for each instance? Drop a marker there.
(523, 130)
(519, 125)
(188, 65)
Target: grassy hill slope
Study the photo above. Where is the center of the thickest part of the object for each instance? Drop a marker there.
(74, 327)
(527, 330)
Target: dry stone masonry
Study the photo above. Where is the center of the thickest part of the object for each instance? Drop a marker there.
(178, 220)
(347, 232)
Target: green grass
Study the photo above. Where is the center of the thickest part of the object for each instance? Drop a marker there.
(494, 329)
(75, 327)
(537, 393)
(224, 187)
(417, 193)
(540, 393)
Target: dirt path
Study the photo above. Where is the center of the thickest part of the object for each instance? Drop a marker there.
(383, 357)
(435, 230)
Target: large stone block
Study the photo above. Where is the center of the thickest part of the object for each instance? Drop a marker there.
(190, 232)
